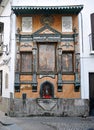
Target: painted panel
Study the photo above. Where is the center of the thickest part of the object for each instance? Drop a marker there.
(46, 57)
(26, 62)
(67, 62)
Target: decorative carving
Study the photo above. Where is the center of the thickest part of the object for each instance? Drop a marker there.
(5, 62)
(47, 19)
(26, 46)
(34, 80)
(67, 46)
(34, 83)
(77, 73)
(47, 104)
(48, 75)
(59, 82)
(17, 64)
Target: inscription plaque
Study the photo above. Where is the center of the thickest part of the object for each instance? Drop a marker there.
(67, 24)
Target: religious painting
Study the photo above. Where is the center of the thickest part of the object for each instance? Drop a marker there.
(26, 62)
(67, 62)
(46, 57)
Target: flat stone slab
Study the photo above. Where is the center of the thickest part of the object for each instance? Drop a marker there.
(14, 127)
(11, 127)
(6, 121)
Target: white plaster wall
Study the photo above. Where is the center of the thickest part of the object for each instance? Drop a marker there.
(46, 2)
(13, 51)
(86, 68)
(87, 60)
(5, 18)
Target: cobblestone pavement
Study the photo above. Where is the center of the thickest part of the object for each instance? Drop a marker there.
(57, 123)
(49, 123)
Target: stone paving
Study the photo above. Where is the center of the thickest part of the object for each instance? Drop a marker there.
(71, 123)
(46, 123)
(56, 123)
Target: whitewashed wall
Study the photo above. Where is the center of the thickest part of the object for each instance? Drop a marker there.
(13, 51)
(87, 60)
(5, 18)
(46, 2)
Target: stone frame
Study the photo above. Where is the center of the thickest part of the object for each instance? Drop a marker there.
(55, 68)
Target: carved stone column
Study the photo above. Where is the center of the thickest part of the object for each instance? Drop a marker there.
(77, 72)
(59, 82)
(34, 80)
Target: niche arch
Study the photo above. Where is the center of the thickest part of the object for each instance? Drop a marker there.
(47, 90)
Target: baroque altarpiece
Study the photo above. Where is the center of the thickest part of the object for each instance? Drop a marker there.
(47, 53)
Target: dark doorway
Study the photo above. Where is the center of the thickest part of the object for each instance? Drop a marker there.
(91, 93)
(47, 90)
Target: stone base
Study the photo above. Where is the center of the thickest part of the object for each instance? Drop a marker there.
(50, 107)
(4, 105)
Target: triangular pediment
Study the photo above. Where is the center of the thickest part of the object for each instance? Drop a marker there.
(47, 30)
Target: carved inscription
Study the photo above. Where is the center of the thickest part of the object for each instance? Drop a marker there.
(67, 24)
(26, 24)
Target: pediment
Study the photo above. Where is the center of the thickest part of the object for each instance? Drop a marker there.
(47, 30)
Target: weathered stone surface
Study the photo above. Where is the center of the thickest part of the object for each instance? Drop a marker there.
(4, 104)
(47, 104)
(56, 107)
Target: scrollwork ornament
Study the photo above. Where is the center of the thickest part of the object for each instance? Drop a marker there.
(47, 19)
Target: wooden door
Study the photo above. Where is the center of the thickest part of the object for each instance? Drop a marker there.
(91, 93)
